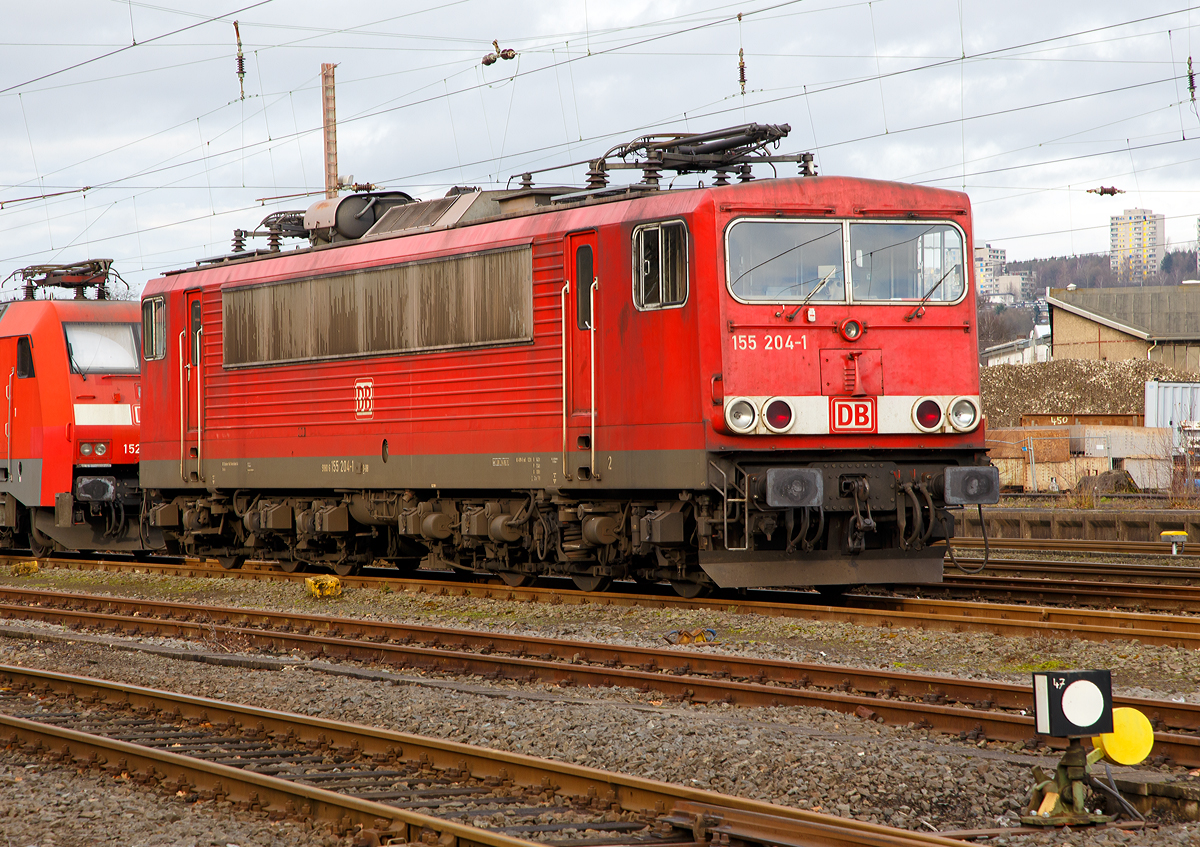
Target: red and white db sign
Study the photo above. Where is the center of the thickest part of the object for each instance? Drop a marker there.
(364, 398)
(852, 414)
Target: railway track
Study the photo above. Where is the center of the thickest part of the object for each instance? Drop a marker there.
(403, 787)
(1073, 545)
(1006, 619)
(972, 709)
(1167, 588)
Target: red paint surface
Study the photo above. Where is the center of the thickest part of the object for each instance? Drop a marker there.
(654, 370)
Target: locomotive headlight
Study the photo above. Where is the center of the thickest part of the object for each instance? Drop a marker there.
(778, 415)
(101, 449)
(741, 415)
(850, 329)
(85, 449)
(927, 414)
(964, 414)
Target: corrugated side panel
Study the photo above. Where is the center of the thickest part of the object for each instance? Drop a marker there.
(452, 388)
(442, 304)
(1171, 403)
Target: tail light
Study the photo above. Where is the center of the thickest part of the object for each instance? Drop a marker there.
(778, 415)
(927, 414)
(741, 415)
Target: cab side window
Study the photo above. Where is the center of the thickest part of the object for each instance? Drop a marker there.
(154, 329)
(660, 265)
(24, 358)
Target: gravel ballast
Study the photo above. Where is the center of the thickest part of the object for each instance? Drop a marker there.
(808, 758)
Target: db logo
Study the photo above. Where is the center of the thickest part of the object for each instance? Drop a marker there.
(851, 414)
(364, 400)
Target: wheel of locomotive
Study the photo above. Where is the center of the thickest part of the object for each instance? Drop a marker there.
(38, 549)
(690, 590)
(347, 568)
(289, 565)
(591, 582)
(832, 592)
(231, 563)
(513, 579)
(403, 566)
(39, 545)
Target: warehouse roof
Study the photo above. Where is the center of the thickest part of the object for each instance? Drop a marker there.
(1153, 313)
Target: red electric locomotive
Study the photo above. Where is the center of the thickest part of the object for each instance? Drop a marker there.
(767, 383)
(69, 450)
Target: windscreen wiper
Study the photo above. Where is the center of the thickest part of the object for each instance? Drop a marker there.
(74, 363)
(812, 294)
(920, 310)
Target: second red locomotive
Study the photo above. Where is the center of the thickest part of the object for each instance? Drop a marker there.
(772, 382)
(69, 448)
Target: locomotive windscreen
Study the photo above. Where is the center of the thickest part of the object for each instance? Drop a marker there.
(480, 299)
(102, 348)
(782, 261)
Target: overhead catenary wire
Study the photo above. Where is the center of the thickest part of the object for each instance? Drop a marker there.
(806, 93)
(266, 146)
(111, 53)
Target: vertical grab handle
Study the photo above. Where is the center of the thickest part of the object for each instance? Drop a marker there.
(592, 336)
(199, 403)
(563, 295)
(182, 406)
(8, 426)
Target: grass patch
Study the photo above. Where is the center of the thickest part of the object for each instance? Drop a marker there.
(1047, 665)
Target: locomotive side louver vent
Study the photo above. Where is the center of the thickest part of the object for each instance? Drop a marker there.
(467, 301)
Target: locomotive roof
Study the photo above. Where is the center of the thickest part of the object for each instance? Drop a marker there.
(538, 210)
(19, 316)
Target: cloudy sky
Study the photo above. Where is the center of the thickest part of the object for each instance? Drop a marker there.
(1026, 105)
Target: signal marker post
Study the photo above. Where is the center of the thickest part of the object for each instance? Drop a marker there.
(1074, 705)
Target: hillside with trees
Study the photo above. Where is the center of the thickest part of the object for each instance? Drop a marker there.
(1092, 271)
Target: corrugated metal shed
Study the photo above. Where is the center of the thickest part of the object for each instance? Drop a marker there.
(1171, 403)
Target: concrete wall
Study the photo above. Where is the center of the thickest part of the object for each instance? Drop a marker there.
(1076, 337)
(1184, 357)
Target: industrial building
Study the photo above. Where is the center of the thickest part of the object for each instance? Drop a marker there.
(1160, 323)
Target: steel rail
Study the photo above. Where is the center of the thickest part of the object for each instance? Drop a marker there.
(927, 614)
(1162, 598)
(1072, 545)
(576, 781)
(694, 676)
(1041, 567)
(244, 788)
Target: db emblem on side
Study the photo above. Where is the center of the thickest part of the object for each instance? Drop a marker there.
(852, 414)
(364, 399)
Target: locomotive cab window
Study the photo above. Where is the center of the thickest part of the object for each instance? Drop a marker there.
(24, 357)
(660, 265)
(906, 261)
(772, 261)
(154, 329)
(102, 348)
(584, 276)
(196, 327)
